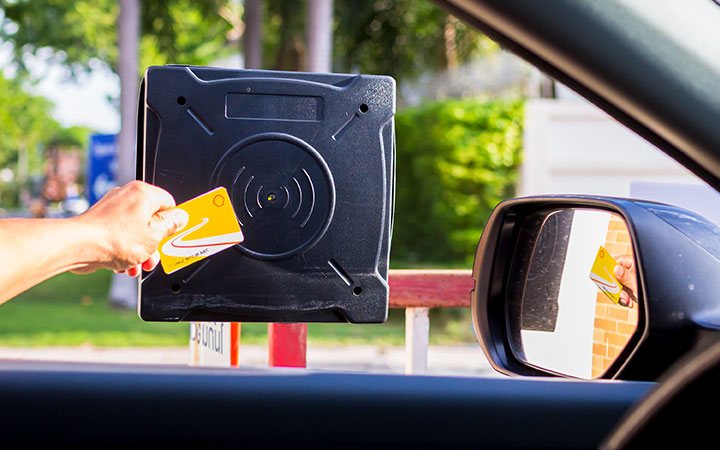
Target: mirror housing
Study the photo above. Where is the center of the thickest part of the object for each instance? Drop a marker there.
(677, 256)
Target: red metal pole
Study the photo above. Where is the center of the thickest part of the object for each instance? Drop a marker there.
(235, 332)
(287, 344)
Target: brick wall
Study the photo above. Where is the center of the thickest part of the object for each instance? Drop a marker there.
(614, 324)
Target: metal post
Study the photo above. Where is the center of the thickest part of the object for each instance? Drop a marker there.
(128, 42)
(287, 344)
(319, 35)
(417, 340)
(235, 333)
(124, 290)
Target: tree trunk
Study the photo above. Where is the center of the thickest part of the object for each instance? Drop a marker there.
(450, 44)
(124, 290)
(252, 39)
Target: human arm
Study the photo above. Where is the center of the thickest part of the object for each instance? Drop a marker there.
(121, 232)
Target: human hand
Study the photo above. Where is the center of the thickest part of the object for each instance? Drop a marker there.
(625, 273)
(126, 226)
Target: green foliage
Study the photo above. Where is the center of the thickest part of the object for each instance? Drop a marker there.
(455, 161)
(183, 32)
(401, 38)
(25, 125)
(77, 32)
(80, 33)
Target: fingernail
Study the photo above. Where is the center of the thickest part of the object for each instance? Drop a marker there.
(180, 218)
(618, 271)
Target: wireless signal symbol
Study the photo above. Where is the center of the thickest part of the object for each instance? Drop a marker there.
(282, 191)
(257, 197)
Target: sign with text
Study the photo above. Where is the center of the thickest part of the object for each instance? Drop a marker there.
(101, 166)
(214, 344)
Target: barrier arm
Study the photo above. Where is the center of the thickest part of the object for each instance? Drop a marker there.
(417, 291)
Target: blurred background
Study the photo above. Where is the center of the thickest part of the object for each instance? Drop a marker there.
(468, 113)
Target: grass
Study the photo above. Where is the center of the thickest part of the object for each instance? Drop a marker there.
(73, 310)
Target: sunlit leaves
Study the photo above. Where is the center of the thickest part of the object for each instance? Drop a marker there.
(401, 38)
(82, 33)
(455, 161)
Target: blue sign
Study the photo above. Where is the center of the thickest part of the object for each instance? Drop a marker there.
(101, 165)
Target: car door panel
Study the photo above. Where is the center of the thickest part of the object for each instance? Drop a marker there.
(180, 406)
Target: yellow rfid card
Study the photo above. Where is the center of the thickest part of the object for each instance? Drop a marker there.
(603, 275)
(211, 228)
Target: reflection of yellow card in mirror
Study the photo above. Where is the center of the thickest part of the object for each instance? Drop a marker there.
(603, 275)
(212, 227)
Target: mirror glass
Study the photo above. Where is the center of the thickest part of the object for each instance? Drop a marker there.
(573, 303)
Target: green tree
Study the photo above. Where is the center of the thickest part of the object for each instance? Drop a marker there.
(81, 33)
(401, 38)
(26, 125)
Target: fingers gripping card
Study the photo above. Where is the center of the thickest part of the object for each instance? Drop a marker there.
(602, 274)
(211, 228)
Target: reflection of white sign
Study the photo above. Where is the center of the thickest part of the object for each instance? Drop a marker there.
(568, 349)
(210, 344)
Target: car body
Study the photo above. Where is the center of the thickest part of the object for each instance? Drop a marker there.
(606, 51)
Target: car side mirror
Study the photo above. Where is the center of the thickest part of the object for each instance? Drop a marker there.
(594, 287)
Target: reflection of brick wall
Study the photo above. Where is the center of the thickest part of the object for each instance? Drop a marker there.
(614, 324)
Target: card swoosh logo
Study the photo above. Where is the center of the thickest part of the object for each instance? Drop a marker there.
(180, 247)
(609, 286)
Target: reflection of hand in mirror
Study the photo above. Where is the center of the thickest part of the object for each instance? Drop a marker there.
(625, 273)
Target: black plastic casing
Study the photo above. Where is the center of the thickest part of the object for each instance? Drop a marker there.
(321, 146)
(677, 254)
